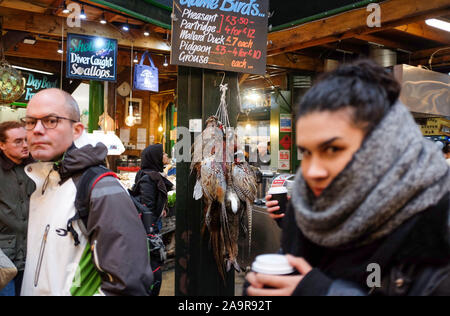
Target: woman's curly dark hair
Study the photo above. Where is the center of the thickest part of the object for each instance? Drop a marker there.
(367, 88)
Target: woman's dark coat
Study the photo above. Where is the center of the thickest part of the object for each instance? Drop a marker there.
(413, 260)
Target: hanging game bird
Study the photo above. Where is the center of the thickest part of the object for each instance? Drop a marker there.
(244, 183)
(228, 190)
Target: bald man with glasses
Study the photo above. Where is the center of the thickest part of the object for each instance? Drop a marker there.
(15, 191)
(108, 255)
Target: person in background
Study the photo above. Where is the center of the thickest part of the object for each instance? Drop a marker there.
(151, 186)
(15, 191)
(370, 204)
(447, 152)
(108, 256)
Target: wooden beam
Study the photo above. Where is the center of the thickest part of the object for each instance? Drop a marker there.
(261, 83)
(38, 64)
(441, 57)
(24, 5)
(12, 38)
(47, 50)
(242, 78)
(55, 7)
(40, 50)
(52, 25)
(426, 53)
(349, 24)
(382, 41)
(443, 60)
(298, 62)
(421, 29)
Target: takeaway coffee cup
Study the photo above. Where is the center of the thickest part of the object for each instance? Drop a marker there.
(279, 194)
(272, 264)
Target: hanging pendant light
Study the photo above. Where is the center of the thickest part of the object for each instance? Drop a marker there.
(60, 48)
(103, 19)
(130, 120)
(65, 9)
(126, 27)
(83, 14)
(12, 83)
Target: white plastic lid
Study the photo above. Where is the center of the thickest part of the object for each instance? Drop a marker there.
(272, 264)
(277, 190)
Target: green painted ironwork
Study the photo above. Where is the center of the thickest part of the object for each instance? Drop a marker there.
(134, 14)
(325, 14)
(96, 95)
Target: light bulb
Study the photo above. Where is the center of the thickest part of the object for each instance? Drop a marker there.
(125, 27)
(83, 15)
(65, 10)
(129, 121)
(103, 20)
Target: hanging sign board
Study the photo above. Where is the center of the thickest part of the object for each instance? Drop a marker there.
(228, 35)
(91, 58)
(146, 77)
(35, 82)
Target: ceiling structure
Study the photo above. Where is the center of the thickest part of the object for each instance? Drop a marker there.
(45, 23)
(345, 35)
(303, 33)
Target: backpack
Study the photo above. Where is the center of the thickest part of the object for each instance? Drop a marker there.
(86, 184)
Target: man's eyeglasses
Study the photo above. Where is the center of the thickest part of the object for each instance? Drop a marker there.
(19, 142)
(49, 122)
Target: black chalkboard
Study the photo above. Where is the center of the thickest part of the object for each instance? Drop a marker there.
(91, 57)
(228, 35)
(35, 82)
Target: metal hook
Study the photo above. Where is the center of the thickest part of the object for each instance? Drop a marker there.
(223, 78)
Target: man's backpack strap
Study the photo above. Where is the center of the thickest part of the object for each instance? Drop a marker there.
(85, 186)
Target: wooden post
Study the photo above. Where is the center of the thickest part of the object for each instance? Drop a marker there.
(196, 273)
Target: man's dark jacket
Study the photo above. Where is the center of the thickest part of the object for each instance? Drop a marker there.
(15, 191)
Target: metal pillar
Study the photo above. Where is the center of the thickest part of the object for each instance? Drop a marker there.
(96, 99)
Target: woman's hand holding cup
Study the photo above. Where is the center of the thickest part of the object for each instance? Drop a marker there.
(277, 211)
(272, 206)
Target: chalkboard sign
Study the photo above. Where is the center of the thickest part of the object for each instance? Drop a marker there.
(91, 58)
(228, 35)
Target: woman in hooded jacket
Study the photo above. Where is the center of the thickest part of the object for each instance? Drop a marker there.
(369, 213)
(151, 187)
